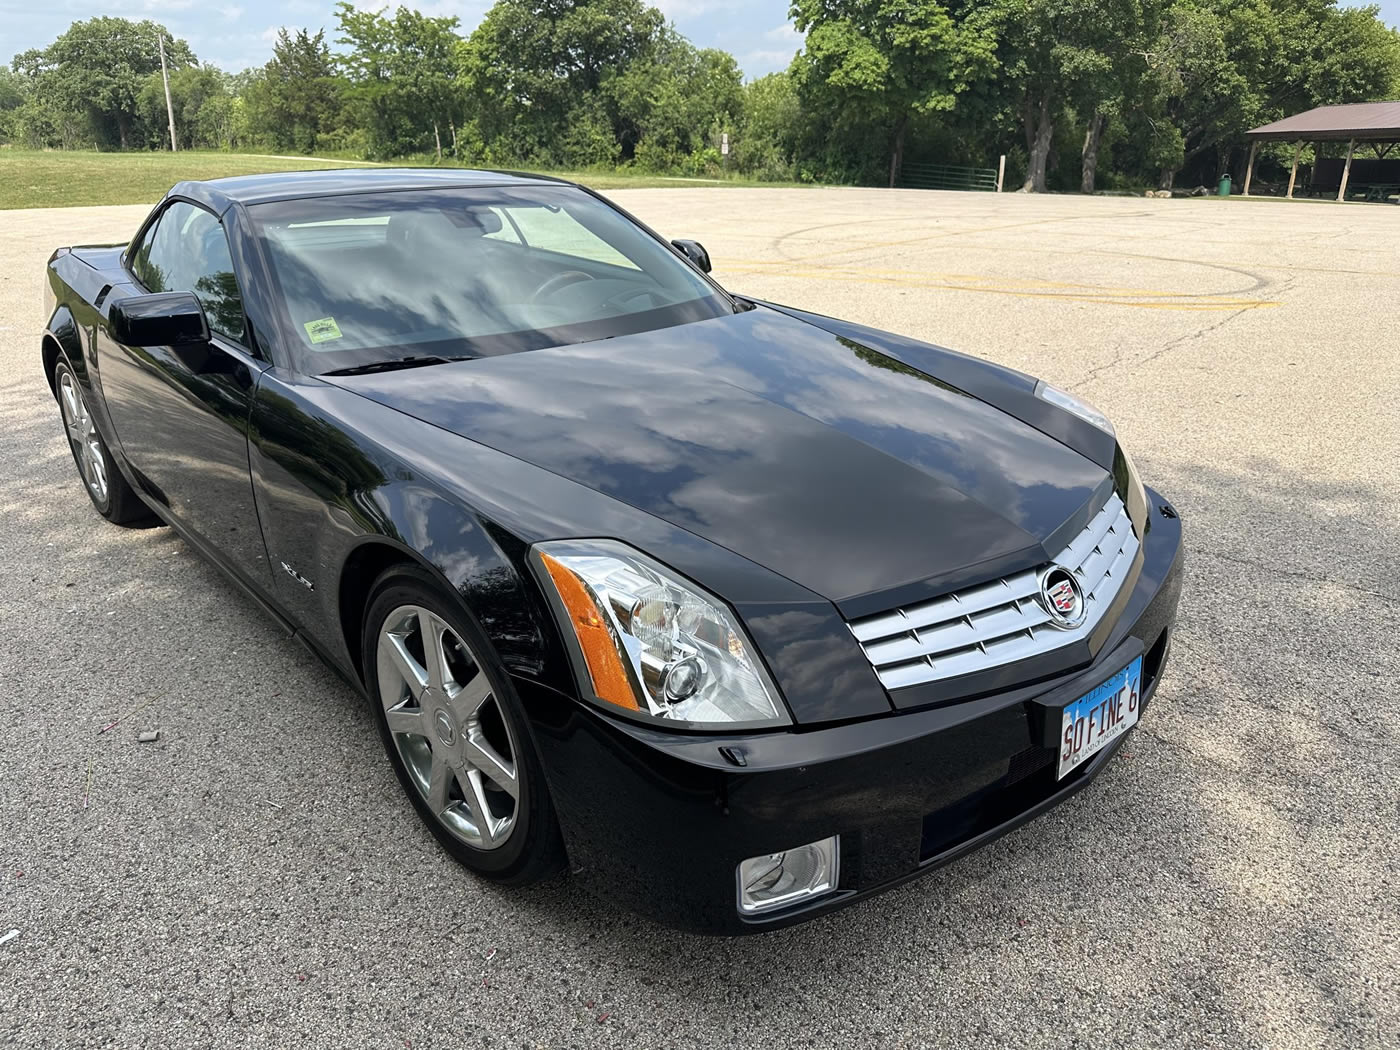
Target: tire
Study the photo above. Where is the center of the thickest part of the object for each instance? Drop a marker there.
(103, 480)
(453, 729)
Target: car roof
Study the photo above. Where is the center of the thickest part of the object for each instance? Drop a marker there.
(220, 194)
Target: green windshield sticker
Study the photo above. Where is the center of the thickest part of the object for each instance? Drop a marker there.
(323, 330)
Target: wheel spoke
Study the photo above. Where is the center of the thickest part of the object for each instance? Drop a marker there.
(73, 414)
(474, 793)
(433, 697)
(468, 699)
(438, 783)
(402, 719)
(415, 677)
(70, 397)
(434, 656)
(483, 756)
(97, 470)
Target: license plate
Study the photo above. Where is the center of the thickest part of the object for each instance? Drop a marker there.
(1099, 717)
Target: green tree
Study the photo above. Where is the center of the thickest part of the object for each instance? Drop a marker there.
(296, 99)
(14, 93)
(665, 104)
(1219, 67)
(1355, 57)
(95, 71)
(531, 64)
(889, 60)
(191, 89)
(1201, 89)
(403, 74)
(766, 142)
(1100, 90)
(1054, 53)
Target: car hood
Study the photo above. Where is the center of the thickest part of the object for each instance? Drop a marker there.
(815, 455)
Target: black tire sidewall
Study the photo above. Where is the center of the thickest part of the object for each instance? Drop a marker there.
(528, 853)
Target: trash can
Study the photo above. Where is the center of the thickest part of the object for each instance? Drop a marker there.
(1224, 190)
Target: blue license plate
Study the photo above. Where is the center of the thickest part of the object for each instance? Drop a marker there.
(1099, 717)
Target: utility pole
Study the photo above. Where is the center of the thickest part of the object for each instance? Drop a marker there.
(165, 76)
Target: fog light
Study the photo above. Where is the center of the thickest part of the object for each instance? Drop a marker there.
(776, 880)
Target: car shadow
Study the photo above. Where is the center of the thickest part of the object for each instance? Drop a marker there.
(1239, 854)
(1232, 873)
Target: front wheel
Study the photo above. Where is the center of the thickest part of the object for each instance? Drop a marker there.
(455, 731)
(114, 499)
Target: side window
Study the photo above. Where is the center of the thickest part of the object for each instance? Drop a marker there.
(186, 251)
(141, 259)
(507, 231)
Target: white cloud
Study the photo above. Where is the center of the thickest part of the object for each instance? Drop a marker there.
(768, 58)
(166, 5)
(683, 9)
(786, 34)
(468, 12)
(231, 13)
(760, 63)
(785, 41)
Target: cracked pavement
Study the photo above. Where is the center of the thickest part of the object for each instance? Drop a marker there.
(255, 879)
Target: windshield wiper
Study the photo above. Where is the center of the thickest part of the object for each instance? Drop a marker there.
(392, 366)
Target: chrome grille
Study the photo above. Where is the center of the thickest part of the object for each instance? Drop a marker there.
(997, 623)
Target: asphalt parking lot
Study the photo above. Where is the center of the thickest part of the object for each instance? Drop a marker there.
(1232, 880)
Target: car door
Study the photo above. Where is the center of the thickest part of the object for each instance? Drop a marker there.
(181, 414)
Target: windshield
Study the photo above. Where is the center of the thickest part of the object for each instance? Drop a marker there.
(444, 273)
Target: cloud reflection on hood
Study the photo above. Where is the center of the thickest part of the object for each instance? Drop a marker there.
(824, 460)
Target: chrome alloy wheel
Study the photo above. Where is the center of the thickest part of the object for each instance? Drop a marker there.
(448, 727)
(82, 434)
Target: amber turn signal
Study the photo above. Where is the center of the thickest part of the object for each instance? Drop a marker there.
(610, 681)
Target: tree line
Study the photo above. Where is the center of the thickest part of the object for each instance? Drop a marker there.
(1079, 94)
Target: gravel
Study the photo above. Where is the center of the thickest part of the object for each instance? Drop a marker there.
(253, 877)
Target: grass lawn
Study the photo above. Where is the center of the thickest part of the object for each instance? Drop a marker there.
(63, 178)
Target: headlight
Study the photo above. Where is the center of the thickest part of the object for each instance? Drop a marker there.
(1062, 399)
(652, 644)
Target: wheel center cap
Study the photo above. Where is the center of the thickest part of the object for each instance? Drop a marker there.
(446, 728)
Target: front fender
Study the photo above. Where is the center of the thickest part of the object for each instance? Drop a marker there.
(345, 485)
(336, 508)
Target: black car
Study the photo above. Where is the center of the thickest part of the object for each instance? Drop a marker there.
(742, 612)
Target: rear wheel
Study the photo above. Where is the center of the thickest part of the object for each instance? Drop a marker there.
(455, 732)
(114, 499)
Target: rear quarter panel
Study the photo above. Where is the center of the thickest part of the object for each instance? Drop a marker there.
(79, 285)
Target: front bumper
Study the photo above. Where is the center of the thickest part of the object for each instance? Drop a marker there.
(657, 822)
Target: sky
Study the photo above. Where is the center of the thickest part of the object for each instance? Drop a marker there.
(234, 34)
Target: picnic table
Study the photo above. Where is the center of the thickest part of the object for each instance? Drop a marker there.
(1381, 191)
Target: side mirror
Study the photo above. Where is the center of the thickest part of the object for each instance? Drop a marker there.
(162, 319)
(695, 252)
